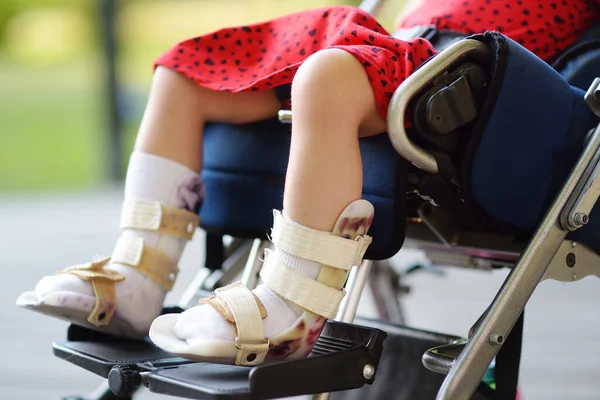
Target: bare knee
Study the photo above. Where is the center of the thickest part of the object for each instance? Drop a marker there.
(332, 85)
(173, 93)
(170, 84)
(164, 76)
(331, 78)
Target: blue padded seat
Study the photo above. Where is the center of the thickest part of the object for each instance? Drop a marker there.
(527, 138)
(244, 172)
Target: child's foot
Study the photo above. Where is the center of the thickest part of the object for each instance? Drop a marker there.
(283, 317)
(122, 295)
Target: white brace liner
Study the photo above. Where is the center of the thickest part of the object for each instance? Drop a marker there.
(128, 251)
(321, 247)
(301, 290)
(139, 214)
(250, 341)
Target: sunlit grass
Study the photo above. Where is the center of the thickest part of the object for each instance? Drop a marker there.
(50, 130)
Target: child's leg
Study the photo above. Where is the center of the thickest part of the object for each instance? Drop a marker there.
(163, 173)
(178, 109)
(333, 104)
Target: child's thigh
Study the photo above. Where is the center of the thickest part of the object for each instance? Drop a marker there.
(173, 94)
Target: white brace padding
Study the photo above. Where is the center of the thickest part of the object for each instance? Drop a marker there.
(139, 214)
(320, 247)
(250, 341)
(301, 290)
(128, 251)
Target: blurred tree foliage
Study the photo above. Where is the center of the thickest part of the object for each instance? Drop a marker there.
(9, 8)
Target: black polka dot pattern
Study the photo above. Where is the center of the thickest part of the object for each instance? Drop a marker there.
(266, 55)
(545, 27)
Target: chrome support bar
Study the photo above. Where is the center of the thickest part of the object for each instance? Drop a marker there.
(412, 86)
(285, 116)
(371, 6)
(250, 277)
(354, 287)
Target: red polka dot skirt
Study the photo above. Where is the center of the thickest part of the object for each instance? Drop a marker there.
(266, 55)
(545, 27)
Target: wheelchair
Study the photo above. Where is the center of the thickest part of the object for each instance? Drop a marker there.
(444, 186)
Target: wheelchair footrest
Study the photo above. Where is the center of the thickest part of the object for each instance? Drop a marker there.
(441, 359)
(345, 357)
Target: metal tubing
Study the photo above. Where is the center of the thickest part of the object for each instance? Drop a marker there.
(371, 6)
(510, 301)
(386, 290)
(285, 116)
(190, 292)
(413, 85)
(250, 277)
(230, 269)
(206, 279)
(356, 282)
(354, 287)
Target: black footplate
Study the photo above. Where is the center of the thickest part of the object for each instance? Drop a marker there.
(345, 357)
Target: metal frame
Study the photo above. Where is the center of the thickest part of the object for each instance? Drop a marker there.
(251, 276)
(414, 84)
(547, 255)
(542, 258)
(385, 286)
(357, 279)
(568, 212)
(518, 287)
(371, 6)
(573, 261)
(236, 256)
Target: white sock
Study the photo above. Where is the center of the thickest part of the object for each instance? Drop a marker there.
(154, 178)
(204, 323)
(151, 178)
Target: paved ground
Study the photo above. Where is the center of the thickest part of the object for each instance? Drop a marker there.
(42, 234)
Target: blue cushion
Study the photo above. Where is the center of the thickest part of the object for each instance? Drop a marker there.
(244, 172)
(531, 141)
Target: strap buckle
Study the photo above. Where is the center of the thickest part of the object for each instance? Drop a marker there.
(251, 352)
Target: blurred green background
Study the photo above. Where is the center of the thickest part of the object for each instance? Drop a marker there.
(53, 108)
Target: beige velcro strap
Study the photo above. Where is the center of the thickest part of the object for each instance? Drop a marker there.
(153, 263)
(153, 216)
(250, 340)
(301, 290)
(223, 309)
(106, 302)
(321, 247)
(103, 282)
